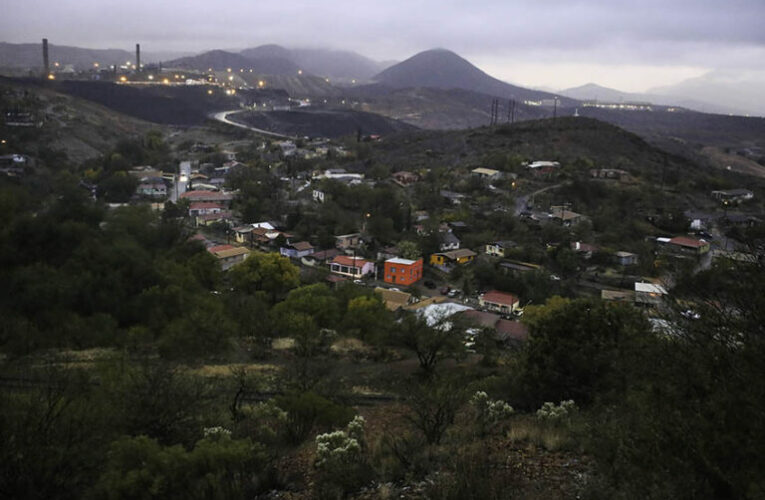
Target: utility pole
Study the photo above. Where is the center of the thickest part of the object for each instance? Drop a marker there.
(555, 109)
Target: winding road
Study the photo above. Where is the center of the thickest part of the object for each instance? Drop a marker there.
(223, 118)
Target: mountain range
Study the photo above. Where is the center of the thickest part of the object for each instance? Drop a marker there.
(695, 94)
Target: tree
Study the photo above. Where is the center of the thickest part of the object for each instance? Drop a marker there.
(433, 406)
(432, 341)
(268, 273)
(367, 318)
(409, 250)
(577, 349)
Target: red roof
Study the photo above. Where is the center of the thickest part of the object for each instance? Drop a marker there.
(344, 260)
(497, 297)
(220, 248)
(512, 330)
(685, 241)
(204, 204)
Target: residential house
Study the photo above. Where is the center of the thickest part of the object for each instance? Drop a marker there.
(733, 195)
(649, 294)
(400, 271)
(449, 241)
(353, 267)
(243, 234)
(499, 302)
(208, 196)
(404, 178)
(564, 216)
(322, 256)
(152, 188)
(198, 208)
(518, 267)
(447, 259)
(685, 245)
(486, 174)
(394, 299)
(626, 258)
(543, 168)
(348, 241)
(229, 255)
(297, 250)
(208, 219)
(500, 248)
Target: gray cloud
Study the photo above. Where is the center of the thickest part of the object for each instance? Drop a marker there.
(706, 33)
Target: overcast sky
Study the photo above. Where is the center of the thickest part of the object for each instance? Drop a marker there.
(627, 44)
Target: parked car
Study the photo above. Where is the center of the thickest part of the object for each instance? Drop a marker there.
(453, 293)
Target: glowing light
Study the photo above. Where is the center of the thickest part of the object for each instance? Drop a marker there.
(95, 65)
(326, 80)
(55, 64)
(151, 77)
(300, 72)
(250, 70)
(261, 83)
(3, 141)
(51, 76)
(165, 80)
(209, 92)
(353, 81)
(123, 78)
(228, 70)
(241, 70)
(231, 78)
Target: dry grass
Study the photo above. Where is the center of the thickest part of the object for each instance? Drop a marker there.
(552, 437)
(282, 343)
(225, 370)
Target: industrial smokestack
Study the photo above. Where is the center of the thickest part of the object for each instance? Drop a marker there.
(46, 63)
(138, 57)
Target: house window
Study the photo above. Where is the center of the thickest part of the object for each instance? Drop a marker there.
(392, 269)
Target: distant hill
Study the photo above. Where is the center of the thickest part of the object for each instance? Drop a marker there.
(730, 92)
(220, 60)
(595, 92)
(443, 69)
(29, 55)
(334, 64)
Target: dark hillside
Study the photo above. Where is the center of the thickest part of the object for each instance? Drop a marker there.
(183, 105)
(565, 140)
(322, 123)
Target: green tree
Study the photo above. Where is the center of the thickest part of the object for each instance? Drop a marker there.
(432, 341)
(409, 250)
(578, 349)
(268, 273)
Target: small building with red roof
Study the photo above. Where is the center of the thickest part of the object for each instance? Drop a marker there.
(353, 267)
(500, 302)
(688, 245)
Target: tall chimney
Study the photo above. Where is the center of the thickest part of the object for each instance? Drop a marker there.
(46, 63)
(138, 57)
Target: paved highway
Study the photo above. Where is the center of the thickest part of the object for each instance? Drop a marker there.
(222, 117)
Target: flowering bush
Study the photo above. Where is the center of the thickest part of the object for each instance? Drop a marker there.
(489, 413)
(549, 411)
(340, 459)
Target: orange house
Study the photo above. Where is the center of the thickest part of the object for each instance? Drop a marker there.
(402, 271)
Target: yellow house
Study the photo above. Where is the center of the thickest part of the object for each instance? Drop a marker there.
(461, 256)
